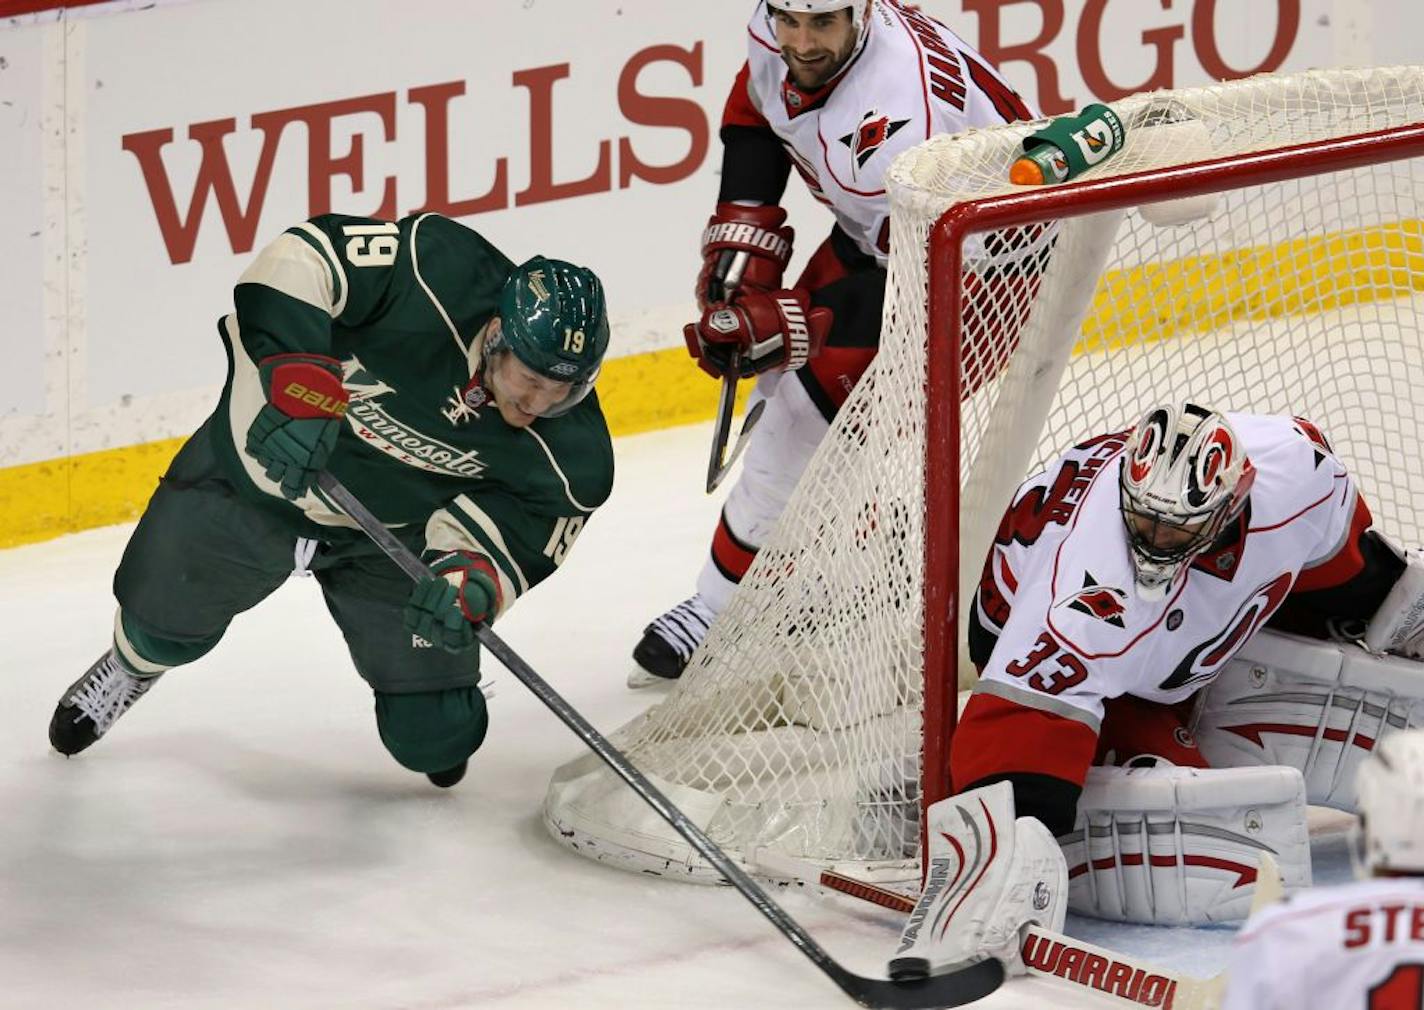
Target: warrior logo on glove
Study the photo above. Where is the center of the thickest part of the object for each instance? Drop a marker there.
(759, 332)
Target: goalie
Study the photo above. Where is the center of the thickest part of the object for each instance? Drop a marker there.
(1120, 609)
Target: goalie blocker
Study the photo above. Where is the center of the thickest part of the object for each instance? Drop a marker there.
(1155, 845)
(989, 874)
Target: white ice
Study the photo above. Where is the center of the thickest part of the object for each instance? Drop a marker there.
(242, 840)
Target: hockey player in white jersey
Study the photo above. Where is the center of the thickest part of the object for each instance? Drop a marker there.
(1360, 946)
(1123, 579)
(834, 89)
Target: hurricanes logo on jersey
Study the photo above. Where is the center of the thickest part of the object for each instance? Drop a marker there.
(1203, 662)
(1106, 603)
(1312, 434)
(872, 133)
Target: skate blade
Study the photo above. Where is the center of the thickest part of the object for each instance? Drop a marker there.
(638, 679)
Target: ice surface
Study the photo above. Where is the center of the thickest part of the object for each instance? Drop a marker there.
(242, 840)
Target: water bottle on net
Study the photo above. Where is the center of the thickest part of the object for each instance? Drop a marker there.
(1068, 146)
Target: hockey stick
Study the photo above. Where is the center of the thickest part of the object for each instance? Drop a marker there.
(719, 464)
(1124, 980)
(948, 990)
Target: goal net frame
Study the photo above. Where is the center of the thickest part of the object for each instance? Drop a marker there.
(792, 732)
(943, 670)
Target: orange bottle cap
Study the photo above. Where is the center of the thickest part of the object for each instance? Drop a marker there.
(1026, 172)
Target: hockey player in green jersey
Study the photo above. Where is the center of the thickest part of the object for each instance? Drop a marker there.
(451, 391)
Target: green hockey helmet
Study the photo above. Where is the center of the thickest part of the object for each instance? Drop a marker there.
(554, 320)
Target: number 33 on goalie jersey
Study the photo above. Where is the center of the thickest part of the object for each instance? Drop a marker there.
(1057, 628)
(401, 306)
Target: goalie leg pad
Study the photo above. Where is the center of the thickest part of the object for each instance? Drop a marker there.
(1320, 707)
(990, 874)
(1181, 846)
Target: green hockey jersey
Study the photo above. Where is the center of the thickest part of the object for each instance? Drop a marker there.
(403, 308)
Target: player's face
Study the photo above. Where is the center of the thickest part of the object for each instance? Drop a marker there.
(1163, 538)
(814, 46)
(521, 394)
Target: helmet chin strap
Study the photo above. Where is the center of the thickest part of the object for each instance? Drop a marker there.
(1157, 588)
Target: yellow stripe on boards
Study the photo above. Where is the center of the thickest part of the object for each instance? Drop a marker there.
(39, 501)
(663, 389)
(43, 500)
(1304, 277)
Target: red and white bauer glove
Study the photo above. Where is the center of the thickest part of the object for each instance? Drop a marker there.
(776, 331)
(757, 231)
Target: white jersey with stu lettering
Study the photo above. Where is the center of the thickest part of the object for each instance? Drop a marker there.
(913, 78)
(1058, 589)
(1357, 947)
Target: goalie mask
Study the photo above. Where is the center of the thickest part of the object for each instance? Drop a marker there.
(546, 352)
(1184, 477)
(1389, 838)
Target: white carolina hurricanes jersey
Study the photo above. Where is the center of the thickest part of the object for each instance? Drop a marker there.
(1058, 585)
(1358, 947)
(912, 79)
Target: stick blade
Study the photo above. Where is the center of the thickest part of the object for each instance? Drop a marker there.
(1270, 888)
(951, 989)
(721, 462)
(717, 462)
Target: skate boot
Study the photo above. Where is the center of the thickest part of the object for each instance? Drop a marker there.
(94, 702)
(669, 641)
(449, 777)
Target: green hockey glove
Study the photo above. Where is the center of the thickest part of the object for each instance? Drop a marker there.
(293, 434)
(444, 610)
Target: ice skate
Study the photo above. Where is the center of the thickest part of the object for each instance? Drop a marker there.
(449, 777)
(669, 642)
(94, 703)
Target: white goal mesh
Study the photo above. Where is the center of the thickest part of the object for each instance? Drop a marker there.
(797, 727)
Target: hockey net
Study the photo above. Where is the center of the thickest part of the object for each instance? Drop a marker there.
(815, 719)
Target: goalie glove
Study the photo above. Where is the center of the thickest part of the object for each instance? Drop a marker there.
(990, 874)
(1398, 624)
(757, 231)
(463, 593)
(293, 434)
(763, 332)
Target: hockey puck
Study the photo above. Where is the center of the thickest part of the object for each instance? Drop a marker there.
(909, 969)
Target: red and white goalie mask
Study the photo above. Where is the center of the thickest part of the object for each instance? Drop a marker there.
(1185, 476)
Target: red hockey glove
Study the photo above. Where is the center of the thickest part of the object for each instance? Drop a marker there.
(294, 433)
(766, 331)
(756, 231)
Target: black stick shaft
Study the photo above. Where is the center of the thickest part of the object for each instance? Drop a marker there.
(859, 989)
